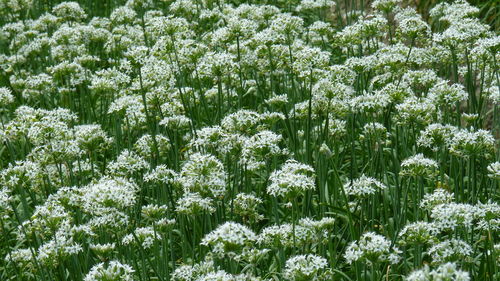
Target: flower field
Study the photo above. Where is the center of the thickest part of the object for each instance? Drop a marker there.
(229, 140)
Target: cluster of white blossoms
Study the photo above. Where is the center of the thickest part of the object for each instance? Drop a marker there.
(6, 96)
(372, 248)
(418, 233)
(438, 197)
(450, 250)
(203, 174)
(307, 231)
(446, 271)
(114, 270)
(203, 140)
(193, 203)
(229, 239)
(363, 187)
(452, 215)
(292, 180)
(246, 206)
(306, 267)
(494, 170)
(418, 165)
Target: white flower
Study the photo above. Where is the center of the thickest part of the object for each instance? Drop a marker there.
(375, 130)
(336, 128)
(370, 102)
(36, 85)
(411, 24)
(385, 5)
(277, 235)
(6, 96)
(217, 139)
(161, 174)
(363, 186)
(453, 11)
(420, 80)
(92, 138)
(191, 272)
(257, 149)
(205, 174)
(452, 215)
(113, 271)
(306, 5)
(287, 24)
(292, 179)
(5, 201)
(229, 239)
(132, 108)
(143, 236)
(438, 197)
(153, 211)
(103, 249)
(20, 256)
(176, 122)
(493, 94)
(361, 30)
(466, 143)
(213, 65)
(488, 216)
(449, 271)
(242, 121)
(307, 231)
(145, 145)
(450, 250)
(415, 111)
(445, 94)
(418, 165)
(61, 246)
(306, 267)
(277, 100)
(192, 203)
(372, 248)
(462, 31)
(69, 11)
(446, 271)
(418, 233)
(246, 205)
(436, 135)
(219, 275)
(108, 193)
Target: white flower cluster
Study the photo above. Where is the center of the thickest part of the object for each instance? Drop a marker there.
(293, 179)
(203, 173)
(446, 271)
(307, 231)
(372, 248)
(450, 250)
(6, 96)
(452, 215)
(438, 197)
(246, 206)
(466, 143)
(306, 267)
(363, 187)
(418, 233)
(193, 203)
(418, 165)
(229, 239)
(113, 271)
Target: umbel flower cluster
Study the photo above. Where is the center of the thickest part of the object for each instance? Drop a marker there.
(200, 140)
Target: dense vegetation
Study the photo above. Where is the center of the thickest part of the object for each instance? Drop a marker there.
(260, 140)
